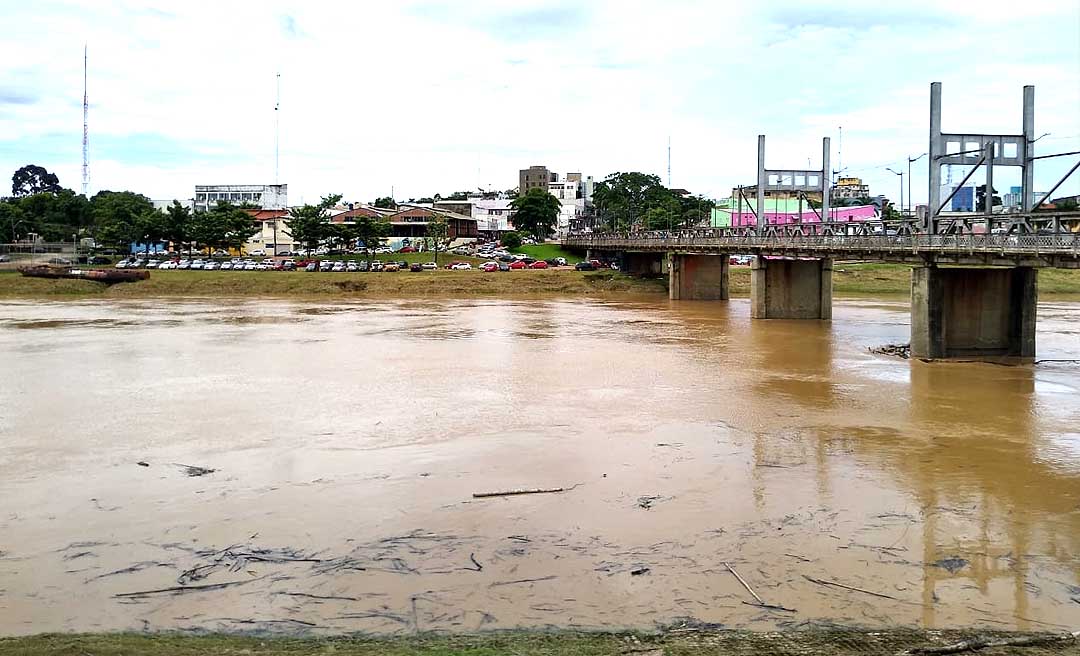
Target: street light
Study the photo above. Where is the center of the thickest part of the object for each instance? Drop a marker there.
(911, 207)
(901, 174)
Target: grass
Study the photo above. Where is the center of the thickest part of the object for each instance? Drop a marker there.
(547, 252)
(716, 643)
(848, 280)
(403, 284)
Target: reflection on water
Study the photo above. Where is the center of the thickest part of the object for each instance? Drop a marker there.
(348, 439)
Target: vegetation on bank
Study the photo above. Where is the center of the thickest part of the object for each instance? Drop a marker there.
(848, 279)
(547, 252)
(402, 284)
(676, 642)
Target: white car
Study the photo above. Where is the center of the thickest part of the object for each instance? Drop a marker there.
(211, 266)
(167, 265)
(250, 266)
(338, 266)
(226, 266)
(429, 266)
(152, 264)
(184, 264)
(462, 266)
(257, 252)
(262, 266)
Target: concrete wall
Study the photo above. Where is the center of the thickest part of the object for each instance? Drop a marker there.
(697, 277)
(790, 289)
(973, 312)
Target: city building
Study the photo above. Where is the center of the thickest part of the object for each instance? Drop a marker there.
(781, 211)
(411, 222)
(750, 192)
(161, 205)
(493, 216)
(964, 200)
(267, 197)
(273, 237)
(850, 188)
(535, 177)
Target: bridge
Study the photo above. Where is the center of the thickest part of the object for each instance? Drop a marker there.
(974, 277)
(974, 284)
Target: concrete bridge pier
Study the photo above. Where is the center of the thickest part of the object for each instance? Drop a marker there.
(973, 312)
(697, 277)
(791, 289)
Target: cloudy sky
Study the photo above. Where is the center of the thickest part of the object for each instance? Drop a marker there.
(432, 96)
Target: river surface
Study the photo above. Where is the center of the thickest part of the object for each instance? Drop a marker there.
(347, 439)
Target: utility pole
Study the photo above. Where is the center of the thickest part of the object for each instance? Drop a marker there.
(669, 161)
(85, 129)
(911, 181)
(901, 199)
(277, 131)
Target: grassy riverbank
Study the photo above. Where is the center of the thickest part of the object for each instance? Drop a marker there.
(848, 280)
(678, 642)
(403, 284)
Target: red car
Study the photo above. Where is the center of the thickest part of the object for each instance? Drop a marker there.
(489, 267)
(407, 249)
(539, 264)
(517, 264)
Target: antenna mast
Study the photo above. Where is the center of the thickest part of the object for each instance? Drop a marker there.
(277, 130)
(85, 131)
(669, 161)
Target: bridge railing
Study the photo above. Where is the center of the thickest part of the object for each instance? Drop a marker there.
(1056, 243)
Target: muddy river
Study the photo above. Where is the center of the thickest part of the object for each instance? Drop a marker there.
(346, 441)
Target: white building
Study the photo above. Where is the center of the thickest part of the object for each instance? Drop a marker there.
(268, 197)
(492, 215)
(162, 205)
(573, 191)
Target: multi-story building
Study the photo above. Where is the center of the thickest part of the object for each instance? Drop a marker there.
(493, 216)
(163, 204)
(267, 197)
(850, 188)
(535, 177)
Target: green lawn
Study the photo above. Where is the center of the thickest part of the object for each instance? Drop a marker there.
(548, 251)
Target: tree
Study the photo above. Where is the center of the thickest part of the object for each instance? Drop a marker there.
(536, 213)
(1067, 205)
(224, 226)
(436, 233)
(511, 240)
(177, 225)
(11, 221)
(623, 201)
(33, 179)
(980, 197)
(53, 216)
(371, 231)
(119, 216)
(385, 203)
(307, 224)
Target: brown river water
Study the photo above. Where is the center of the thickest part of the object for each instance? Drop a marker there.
(347, 440)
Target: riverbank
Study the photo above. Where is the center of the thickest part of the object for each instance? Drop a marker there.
(677, 641)
(848, 280)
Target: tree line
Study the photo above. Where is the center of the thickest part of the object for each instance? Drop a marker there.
(632, 201)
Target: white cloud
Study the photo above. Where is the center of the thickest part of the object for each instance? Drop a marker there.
(439, 96)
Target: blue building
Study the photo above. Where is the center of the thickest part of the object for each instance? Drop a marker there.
(964, 200)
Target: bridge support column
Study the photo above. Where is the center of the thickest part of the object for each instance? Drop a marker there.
(697, 277)
(791, 289)
(973, 312)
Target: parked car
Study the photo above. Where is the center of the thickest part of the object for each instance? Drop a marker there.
(429, 266)
(560, 261)
(221, 253)
(152, 264)
(169, 265)
(517, 264)
(489, 267)
(391, 266)
(326, 265)
(539, 264)
(262, 266)
(377, 265)
(312, 266)
(462, 266)
(407, 249)
(402, 264)
(741, 260)
(363, 265)
(288, 265)
(415, 266)
(211, 266)
(585, 266)
(338, 267)
(351, 267)
(598, 264)
(257, 252)
(503, 266)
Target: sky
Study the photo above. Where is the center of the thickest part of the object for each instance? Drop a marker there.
(426, 96)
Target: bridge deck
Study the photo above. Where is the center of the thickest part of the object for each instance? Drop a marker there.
(1061, 250)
